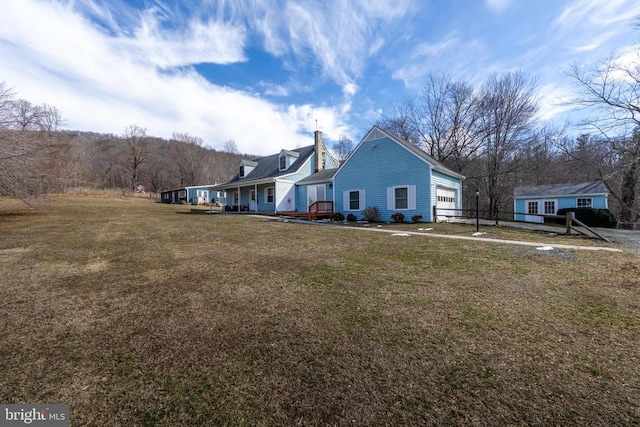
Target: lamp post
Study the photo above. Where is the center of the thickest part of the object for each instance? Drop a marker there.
(477, 210)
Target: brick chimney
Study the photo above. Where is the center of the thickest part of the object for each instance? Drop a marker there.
(318, 149)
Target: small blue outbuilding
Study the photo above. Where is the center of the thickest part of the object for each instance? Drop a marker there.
(531, 201)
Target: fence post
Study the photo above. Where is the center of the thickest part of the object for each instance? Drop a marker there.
(569, 220)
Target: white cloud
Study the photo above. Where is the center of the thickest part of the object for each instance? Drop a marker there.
(209, 42)
(271, 89)
(104, 82)
(498, 6)
(553, 101)
(588, 14)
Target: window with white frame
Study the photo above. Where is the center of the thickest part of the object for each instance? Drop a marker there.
(584, 202)
(269, 194)
(401, 197)
(549, 207)
(353, 200)
(241, 171)
(283, 162)
(532, 208)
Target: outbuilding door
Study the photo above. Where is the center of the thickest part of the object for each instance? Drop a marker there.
(446, 202)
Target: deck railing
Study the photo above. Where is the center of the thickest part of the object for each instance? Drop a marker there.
(320, 208)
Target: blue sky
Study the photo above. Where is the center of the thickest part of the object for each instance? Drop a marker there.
(262, 72)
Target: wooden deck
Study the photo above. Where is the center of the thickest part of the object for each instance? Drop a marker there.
(317, 210)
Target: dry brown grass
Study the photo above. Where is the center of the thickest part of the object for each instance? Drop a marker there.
(137, 313)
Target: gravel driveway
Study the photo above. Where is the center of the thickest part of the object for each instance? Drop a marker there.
(627, 240)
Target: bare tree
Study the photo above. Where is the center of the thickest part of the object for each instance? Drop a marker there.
(451, 116)
(231, 147)
(403, 121)
(6, 103)
(136, 153)
(507, 106)
(612, 92)
(343, 148)
(50, 118)
(187, 154)
(442, 121)
(25, 116)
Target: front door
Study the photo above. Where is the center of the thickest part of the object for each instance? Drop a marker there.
(252, 203)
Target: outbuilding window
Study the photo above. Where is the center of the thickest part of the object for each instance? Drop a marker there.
(584, 202)
(549, 207)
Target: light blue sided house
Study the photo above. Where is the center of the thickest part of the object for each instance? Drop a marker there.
(394, 176)
(268, 184)
(193, 195)
(534, 200)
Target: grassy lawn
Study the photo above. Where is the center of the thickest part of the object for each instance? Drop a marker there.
(137, 313)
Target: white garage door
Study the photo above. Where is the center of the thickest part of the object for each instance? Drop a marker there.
(446, 203)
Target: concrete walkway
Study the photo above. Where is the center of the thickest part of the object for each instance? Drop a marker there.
(375, 228)
(487, 239)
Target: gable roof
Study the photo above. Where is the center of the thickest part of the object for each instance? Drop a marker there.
(548, 190)
(377, 133)
(269, 167)
(324, 175)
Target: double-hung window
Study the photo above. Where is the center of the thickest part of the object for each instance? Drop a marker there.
(401, 197)
(270, 195)
(354, 200)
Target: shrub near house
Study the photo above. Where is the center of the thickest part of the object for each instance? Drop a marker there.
(591, 217)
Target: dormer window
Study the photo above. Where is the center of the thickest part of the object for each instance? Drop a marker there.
(286, 159)
(245, 168)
